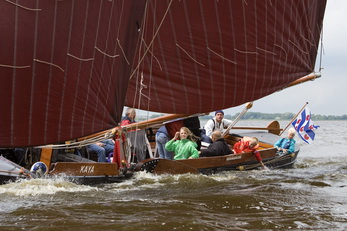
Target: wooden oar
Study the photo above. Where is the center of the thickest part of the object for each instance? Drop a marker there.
(248, 106)
(273, 127)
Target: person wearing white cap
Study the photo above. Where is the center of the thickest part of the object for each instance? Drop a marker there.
(216, 123)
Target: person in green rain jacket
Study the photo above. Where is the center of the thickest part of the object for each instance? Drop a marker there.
(185, 147)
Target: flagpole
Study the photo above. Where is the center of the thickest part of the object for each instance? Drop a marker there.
(294, 118)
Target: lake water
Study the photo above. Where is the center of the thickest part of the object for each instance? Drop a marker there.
(310, 196)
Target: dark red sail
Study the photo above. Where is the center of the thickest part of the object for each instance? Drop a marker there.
(64, 67)
(200, 56)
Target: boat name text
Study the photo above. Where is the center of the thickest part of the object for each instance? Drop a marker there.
(87, 169)
(236, 157)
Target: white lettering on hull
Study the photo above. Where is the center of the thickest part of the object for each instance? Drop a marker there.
(87, 169)
(236, 157)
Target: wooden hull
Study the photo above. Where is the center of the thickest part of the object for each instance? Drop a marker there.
(79, 172)
(79, 179)
(209, 165)
(102, 179)
(90, 173)
(101, 173)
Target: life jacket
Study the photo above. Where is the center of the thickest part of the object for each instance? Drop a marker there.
(243, 146)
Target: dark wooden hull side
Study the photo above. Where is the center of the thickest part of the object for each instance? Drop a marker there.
(90, 173)
(84, 168)
(81, 173)
(277, 162)
(7, 179)
(95, 180)
(285, 161)
(208, 165)
(86, 180)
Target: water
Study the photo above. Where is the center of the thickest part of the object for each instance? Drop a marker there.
(311, 196)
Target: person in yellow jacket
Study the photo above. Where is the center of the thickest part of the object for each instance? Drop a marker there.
(183, 145)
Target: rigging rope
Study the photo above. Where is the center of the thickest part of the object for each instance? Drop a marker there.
(151, 43)
(79, 144)
(321, 52)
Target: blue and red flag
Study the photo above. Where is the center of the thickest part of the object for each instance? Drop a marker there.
(304, 125)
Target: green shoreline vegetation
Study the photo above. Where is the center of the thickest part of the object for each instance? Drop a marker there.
(261, 116)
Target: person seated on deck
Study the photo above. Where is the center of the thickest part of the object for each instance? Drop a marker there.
(218, 148)
(249, 144)
(216, 123)
(286, 145)
(129, 117)
(246, 144)
(102, 149)
(185, 147)
(161, 138)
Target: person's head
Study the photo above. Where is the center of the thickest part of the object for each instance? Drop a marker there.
(185, 133)
(219, 115)
(131, 113)
(253, 142)
(216, 135)
(291, 133)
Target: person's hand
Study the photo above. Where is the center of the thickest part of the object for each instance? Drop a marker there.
(177, 135)
(263, 167)
(285, 151)
(100, 144)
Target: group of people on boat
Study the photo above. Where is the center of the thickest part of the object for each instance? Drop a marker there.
(184, 144)
(187, 145)
(186, 139)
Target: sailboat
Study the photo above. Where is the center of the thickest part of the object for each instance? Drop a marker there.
(69, 67)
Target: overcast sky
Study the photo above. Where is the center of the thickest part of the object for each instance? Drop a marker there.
(328, 94)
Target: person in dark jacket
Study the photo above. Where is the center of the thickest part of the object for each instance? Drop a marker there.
(218, 148)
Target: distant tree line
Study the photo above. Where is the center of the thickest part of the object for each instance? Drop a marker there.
(279, 116)
(264, 116)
